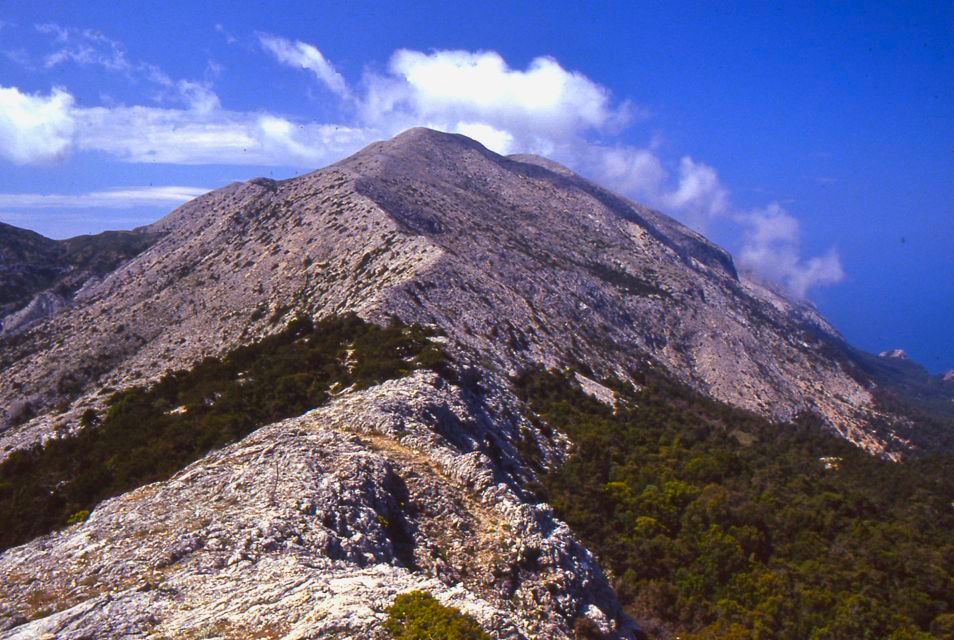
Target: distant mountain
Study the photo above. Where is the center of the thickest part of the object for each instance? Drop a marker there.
(31, 264)
(517, 263)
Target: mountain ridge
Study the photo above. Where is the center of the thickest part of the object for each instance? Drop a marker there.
(732, 338)
(515, 265)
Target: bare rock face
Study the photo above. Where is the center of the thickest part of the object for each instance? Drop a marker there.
(42, 307)
(897, 354)
(310, 527)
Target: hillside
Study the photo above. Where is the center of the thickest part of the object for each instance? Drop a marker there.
(39, 276)
(433, 477)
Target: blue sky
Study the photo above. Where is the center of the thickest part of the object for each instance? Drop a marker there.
(816, 143)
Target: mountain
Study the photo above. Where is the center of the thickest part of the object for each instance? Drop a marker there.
(39, 276)
(516, 264)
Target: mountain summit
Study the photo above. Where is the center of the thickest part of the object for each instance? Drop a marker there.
(515, 263)
(518, 260)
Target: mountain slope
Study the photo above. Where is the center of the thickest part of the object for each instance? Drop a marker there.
(39, 276)
(518, 263)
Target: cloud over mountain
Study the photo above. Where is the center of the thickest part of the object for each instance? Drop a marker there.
(35, 128)
(544, 109)
(772, 250)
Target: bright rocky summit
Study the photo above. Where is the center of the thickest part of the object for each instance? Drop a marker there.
(310, 526)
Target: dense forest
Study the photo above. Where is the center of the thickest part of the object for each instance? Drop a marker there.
(715, 524)
(149, 433)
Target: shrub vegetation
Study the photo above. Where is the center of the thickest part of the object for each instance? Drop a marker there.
(148, 434)
(418, 615)
(717, 524)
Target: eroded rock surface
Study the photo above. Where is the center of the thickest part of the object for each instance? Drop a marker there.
(311, 526)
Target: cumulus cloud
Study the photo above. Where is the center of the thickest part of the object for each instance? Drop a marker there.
(35, 128)
(543, 108)
(530, 110)
(634, 171)
(699, 191)
(497, 140)
(305, 56)
(772, 250)
(118, 198)
(692, 192)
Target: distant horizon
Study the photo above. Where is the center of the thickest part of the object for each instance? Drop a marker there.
(813, 145)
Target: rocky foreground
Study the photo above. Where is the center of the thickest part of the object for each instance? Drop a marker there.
(310, 527)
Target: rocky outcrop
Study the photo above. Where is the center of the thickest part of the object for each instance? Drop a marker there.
(897, 354)
(311, 526)
(42, 307)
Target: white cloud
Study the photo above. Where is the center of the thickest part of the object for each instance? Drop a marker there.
(88, 47)
(544, 109)
(694, 195)
(176, 136)
(305, 56)
(771, 250)
(198, 96)
(529, 110)
(635, 171)
(118, 198)
(84, 47)
(496, 140)
(192, 136)
(699, 192)
(35, 128)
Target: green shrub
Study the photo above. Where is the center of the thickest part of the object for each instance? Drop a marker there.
(417, 615)
(78, 517)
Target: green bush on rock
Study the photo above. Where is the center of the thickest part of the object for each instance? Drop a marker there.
(417, 615)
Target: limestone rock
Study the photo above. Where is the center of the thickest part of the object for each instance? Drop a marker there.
(312, 526)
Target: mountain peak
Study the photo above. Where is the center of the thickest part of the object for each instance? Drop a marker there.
(897, 354)
(519, 261)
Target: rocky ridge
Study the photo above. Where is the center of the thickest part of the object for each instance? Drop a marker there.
(311, 526)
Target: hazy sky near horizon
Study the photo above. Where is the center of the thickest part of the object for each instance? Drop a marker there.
(815, 143)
